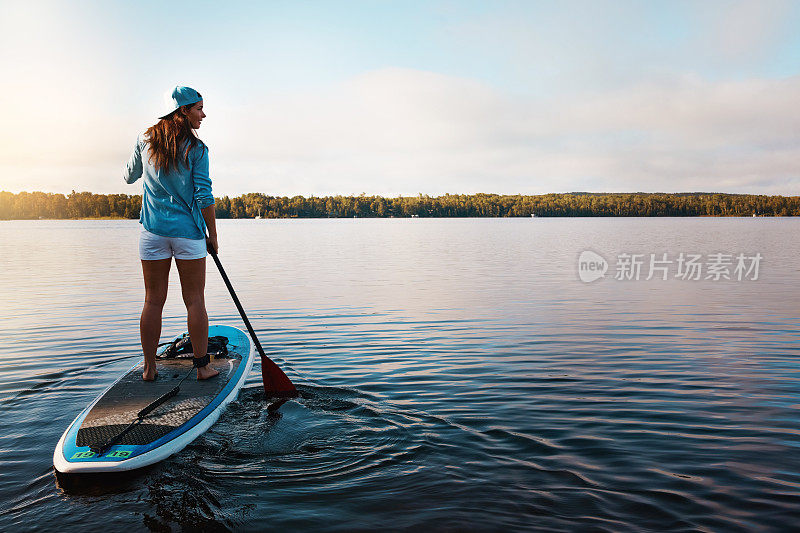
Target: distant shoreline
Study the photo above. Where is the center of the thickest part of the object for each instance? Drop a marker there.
(88, 206)
(42, 219)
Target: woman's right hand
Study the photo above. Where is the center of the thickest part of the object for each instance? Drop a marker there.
(211, 241)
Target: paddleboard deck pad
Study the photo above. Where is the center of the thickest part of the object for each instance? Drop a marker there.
(168, 428)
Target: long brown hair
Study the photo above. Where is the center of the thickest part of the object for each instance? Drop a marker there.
(168, 136)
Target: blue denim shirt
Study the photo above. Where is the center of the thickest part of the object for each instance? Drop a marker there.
(172, 201)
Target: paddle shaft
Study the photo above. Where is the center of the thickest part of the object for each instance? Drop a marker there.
(275, 380)
(236, 301)
(278, 381)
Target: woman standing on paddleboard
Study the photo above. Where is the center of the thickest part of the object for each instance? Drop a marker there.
(177, 208)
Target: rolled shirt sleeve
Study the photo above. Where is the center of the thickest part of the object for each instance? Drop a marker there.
(201, 179)
(133, 170)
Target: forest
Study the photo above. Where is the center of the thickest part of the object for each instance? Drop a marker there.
(76, 205)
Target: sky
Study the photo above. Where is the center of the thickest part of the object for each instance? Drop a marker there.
(407, 97)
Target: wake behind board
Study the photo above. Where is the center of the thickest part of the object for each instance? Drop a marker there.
(167, 429)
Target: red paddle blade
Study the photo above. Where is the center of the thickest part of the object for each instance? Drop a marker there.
(276, 382)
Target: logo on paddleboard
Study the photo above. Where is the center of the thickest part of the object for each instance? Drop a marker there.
(591, 266)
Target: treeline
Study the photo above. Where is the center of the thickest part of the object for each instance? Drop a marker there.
(88, 205)
(27, 205)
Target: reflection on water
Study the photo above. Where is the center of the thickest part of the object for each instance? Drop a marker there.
(455, 374)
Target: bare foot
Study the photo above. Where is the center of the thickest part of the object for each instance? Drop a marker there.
(149, 374)
(206, 372)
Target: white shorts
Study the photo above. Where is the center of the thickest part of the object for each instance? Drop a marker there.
(153, 247)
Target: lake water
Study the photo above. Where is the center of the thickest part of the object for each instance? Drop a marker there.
(456, 374)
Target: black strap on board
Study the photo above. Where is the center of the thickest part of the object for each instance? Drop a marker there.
(101, 448)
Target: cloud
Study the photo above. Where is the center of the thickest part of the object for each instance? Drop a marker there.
(746, 30)
(403, 131)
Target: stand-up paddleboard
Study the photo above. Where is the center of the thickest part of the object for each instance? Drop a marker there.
(165, 430)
